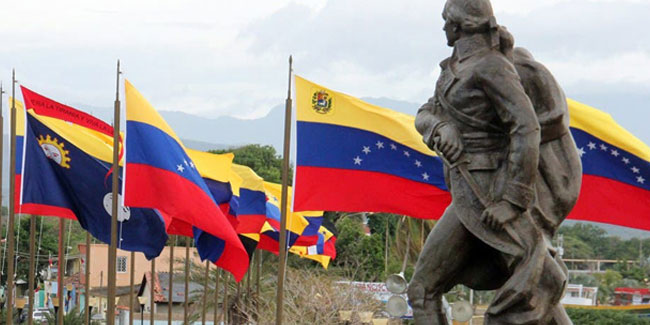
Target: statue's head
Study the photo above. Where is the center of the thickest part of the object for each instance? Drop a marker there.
(467, 17)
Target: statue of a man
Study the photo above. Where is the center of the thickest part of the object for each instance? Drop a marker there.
(493, 111)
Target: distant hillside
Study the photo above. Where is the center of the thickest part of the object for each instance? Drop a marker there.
(612, 230)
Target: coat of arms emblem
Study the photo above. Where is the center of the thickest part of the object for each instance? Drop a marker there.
(321, 102)
(55, 150)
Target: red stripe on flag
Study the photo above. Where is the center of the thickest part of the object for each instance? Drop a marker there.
(608, 201)
(333, 189)
(268, 244)
(47, 211)
(39, 209)
(250, 223)
(182, 199)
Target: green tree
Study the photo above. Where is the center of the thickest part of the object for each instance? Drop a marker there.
(360, 254)
(576, 248)
(607, 282)
(589, 234)
(264, 160)
(604, 317)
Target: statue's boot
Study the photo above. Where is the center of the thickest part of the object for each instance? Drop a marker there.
(427, 308)
(430, 318)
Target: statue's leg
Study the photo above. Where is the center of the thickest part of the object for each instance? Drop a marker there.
(445, 252)
(532, 293)
(560, 316)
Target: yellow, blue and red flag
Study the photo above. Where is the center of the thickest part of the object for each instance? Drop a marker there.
(161, 175)
(323, 251)
(616, 170)
(216, 170)
(354, 156)
(18, 171)
(249, 200)
(302, 226)
(65, 167)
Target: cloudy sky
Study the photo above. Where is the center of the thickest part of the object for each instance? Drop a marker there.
(214, 58)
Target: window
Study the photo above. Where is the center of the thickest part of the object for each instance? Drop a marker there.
(121, 264)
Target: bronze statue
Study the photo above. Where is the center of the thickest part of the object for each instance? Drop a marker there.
(499, 120)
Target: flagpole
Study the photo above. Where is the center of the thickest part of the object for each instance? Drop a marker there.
(226, 279)
(112, 251)
(87, 284)
(12, 215)
(283, 216)
(248, 288)
(257, 282)
(205, 290)
(2, 153)
(32, 262)
(187, 280)
(60, 268)
(152, 287)
(172, 245)
(132, 287)
(217, 273)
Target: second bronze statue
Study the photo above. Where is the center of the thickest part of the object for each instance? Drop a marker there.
(501, 123)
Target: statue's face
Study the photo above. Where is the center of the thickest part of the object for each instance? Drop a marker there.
(451, 31)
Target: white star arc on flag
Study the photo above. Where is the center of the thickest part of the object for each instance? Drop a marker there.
(180, 168)
(357, 160)
(635, 170)
(581, 151)
(591, 146)
(406, 153)
(425, 176)
(393, 146)
(366, 150)
(640, 179)
(418, 163)
(626, 160)
(603, 147)
(380, 145)
(615, 153)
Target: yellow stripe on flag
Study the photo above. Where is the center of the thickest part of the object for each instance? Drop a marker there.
(140, 110)
(604, 127)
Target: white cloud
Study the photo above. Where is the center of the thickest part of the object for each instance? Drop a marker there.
(224, 57)
(618, 69)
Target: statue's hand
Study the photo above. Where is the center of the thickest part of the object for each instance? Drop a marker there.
(499, 214)
(449, 142)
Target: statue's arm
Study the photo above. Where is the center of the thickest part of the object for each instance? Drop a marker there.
(429, 119)
(500, 81)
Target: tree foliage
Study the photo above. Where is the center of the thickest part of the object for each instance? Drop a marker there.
(48, 239)
(264, 160)
(604, 317)
(363, 254)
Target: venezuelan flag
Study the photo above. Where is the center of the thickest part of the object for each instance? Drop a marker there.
(616, 170)
(216, 170)
(249, 200)
(301, 226)
(161, 175)
(354, 156)
(339, 168)
(20, 138)
(65, 174)
(323, 251)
